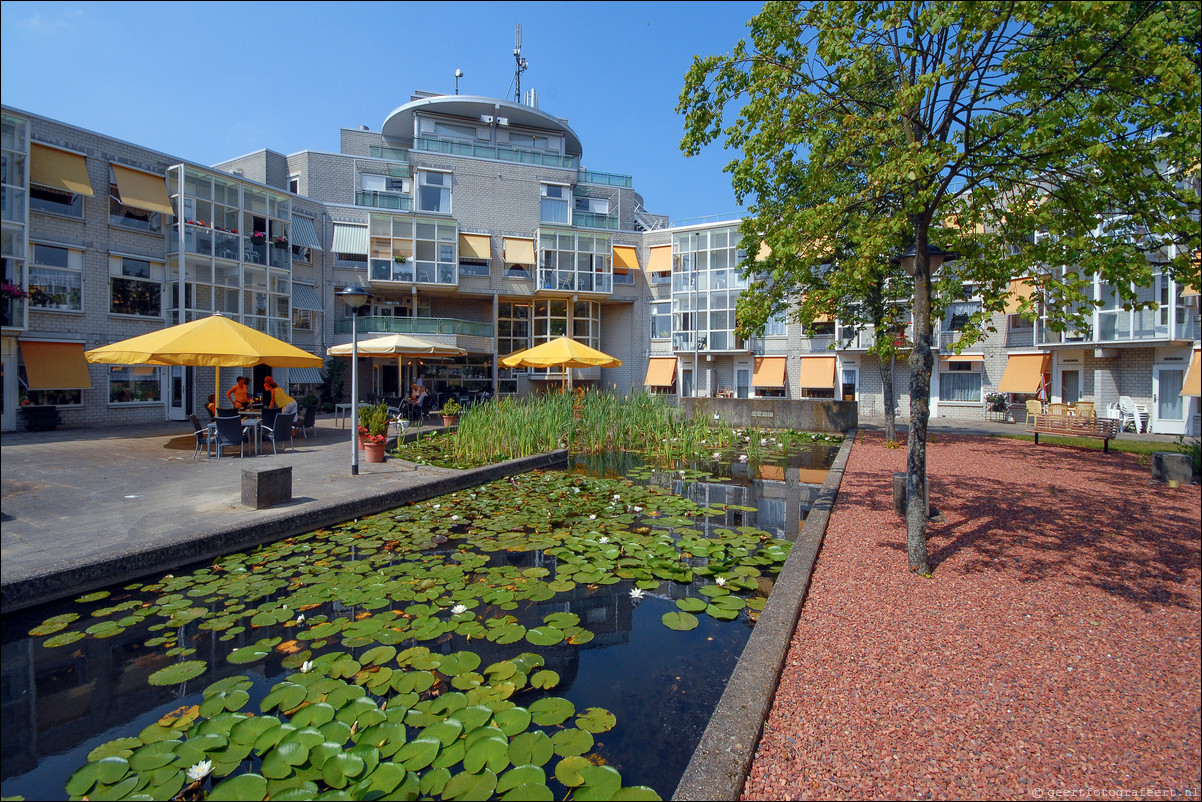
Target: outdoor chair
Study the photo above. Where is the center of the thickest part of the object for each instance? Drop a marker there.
(1058, 409)
(269, 416)
(1132, 413)
(280, 431)
(229, 434)
(1033, 408)
(202, 436)
(1084, 409)
(309, 421)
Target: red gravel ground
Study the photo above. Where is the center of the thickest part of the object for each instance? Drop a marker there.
(1054, 653)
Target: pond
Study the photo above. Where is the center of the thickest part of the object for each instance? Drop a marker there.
(538, 636)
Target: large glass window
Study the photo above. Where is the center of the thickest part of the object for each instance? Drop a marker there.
(960, 382)
(705, 288)
(56, 278)
(135, 287)
(553, 207)
(574, 262)
(434, 192)
(661, 320)
(55, 201)
(135, 384)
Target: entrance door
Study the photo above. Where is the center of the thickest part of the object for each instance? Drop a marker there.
(742, 382)
(179, 392)
(1168, 405)
(686, 382)
(849, 384)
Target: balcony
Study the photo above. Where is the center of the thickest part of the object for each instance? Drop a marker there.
(594, 220)
(416, 326)
(566, 282)
(389, 153)
(394, 201)
(455, 147)
(586, 176)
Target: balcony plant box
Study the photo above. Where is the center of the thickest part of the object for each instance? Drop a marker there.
(40, 417)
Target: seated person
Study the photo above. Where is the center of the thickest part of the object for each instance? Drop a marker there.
(211, 406)
(278, 398)
(238, 395)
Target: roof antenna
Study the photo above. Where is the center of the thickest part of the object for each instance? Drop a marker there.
(519, 68)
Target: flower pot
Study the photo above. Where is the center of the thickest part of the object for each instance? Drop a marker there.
(374, 452)
(450, 420)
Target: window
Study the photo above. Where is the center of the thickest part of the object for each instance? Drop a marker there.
(130, 216)
(55, 278)
(302, 319)
(960, 382)
(958, 314)
(472, 267)
(592, 205)
(294, 184)
(135, 287)
(513, 334)
(554, 205)
(529, 141)
(135, 384)
(55, 201)
(434, 192)
(775, 326)
(300, 253)
(661, 320)
(453, 131)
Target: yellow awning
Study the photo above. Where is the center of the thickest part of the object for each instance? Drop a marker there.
(142, 190)
(1193, 379)
(764, 252)
(625, 259)
(962, 358)
(519, 251)
(475, 246)
(817, 372)
(1021, 289)
(1024, 373)
(1187, 290)
(769, 371)
(661, 372)
(55, 366)
(661, 259)
(59, 169)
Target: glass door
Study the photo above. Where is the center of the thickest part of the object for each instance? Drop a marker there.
(179, 392)
(1168, 405)
(849, 384)
(742, 382)
(686, 382)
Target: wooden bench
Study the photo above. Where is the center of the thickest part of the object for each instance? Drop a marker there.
(1076, 426)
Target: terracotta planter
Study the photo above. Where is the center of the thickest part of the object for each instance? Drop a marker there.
(450, 420)
(374, 452)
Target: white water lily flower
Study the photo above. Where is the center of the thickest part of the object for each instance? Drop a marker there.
(638, 509)
(636, 593)
(592, 517)
(720, 581)
(200, 771)
(742, 458)
(717, 454)
(763, 441)
(306, 667)
(454, 517)
(300, 618)
(617, 497)
(603, 539)
(459, 609)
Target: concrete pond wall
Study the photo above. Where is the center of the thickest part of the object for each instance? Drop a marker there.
(803, 414)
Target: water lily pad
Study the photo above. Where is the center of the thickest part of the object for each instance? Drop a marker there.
(596, 719)
(243, 786)
(691, 605)
(340, 769)
(600, 782)
(545, 679)
(513, 720)
(680, 621)
(470, 786)
(551, 710)
(635, 792)
(377, 656)
(91, 597)
(177, 673)
(567, 771)
(544, 636)
(490, 753)
(572, 742)
(63, 639)
(418, 754)
(532, 748)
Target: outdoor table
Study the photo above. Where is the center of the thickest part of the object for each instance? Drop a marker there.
(343, 411)
(253, 421)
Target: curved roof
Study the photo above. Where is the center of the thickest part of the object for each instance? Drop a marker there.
(399, 123)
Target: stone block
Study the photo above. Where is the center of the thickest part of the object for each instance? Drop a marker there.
(266, 487)
(1167, 465)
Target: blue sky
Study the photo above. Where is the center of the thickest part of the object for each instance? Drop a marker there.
(210, 81)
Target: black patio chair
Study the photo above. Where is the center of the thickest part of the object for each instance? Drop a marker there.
(280, 431)
(203, 436)
(229, 434)
(309, 421)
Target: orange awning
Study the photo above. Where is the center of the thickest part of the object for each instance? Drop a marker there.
(474, 246)
(55, 366)
(626, 259)
(817, 372)
(519, 251)
(1024, 373)
(1021, 289)
(962, 358)
(1193, 379)
(661, 372)
(661, 259)
(59, 169)
(769, 371)
(142, 190)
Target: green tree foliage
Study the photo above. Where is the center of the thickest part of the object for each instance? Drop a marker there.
(973, 126)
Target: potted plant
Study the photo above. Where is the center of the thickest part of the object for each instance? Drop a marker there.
(373, 447)
(400, 260)
(450, 412)
(373, 431)
(280, 242)
(996, 402)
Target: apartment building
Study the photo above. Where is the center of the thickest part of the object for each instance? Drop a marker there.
(473, 222)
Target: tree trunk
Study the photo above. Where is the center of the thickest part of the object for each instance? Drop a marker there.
(887, 388)
(921, 362)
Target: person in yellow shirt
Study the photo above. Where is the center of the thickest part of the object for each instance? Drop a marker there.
(237, 394)
(279, 399)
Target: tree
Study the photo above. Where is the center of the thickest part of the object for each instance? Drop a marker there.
(990, 122)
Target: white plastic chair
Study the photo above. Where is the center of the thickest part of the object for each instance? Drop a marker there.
(1135, 414)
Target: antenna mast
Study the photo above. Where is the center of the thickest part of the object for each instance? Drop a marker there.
(520, 66)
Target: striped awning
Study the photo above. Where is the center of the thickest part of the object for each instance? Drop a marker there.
(304, 376)
(304, 233)
(304, 296)
(350, 239)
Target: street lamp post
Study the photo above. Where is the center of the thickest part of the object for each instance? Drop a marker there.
(354, 297)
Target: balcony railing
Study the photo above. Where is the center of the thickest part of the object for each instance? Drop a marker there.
(586, 176)
(417, 325)
(395, 201)
(571, 281)
(455, 147)
(594, 220)
(389, 153)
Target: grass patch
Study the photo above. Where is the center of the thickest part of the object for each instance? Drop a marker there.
(1139, 447)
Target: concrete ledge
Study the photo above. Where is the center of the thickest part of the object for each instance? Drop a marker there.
(723, 757)
(167, 554)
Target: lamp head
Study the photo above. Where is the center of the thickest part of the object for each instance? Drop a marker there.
(354, 296)
(936, 255)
